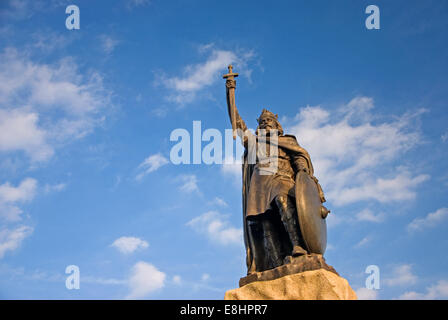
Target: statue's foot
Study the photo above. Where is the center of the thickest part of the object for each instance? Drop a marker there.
(298, 251)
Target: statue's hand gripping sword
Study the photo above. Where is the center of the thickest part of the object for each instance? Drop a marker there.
(230, 93)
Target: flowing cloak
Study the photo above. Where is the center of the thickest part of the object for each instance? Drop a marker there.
(260, 190)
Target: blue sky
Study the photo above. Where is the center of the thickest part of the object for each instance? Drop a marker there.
(86, 117)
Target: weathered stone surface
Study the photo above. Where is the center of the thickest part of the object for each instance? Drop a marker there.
(309, 285)
(292, 265)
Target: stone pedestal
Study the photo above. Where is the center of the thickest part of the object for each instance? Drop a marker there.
(309, 285)
(307, 277)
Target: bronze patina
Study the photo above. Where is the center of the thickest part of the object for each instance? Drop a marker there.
(283, 216)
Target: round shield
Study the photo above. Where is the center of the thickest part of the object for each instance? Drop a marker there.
(309, 209)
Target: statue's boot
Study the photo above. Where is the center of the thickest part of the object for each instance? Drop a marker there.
(291, 224)
(292, 227)
(272, 244)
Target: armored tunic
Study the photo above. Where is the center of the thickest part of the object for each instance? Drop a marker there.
(266, 185)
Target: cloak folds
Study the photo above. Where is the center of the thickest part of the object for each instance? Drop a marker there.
(254, 196)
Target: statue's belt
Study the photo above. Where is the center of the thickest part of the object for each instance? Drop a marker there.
(280, 170)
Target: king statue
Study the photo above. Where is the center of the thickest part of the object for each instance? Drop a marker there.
(283, 215)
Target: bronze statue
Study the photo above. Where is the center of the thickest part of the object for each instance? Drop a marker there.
(282, 209)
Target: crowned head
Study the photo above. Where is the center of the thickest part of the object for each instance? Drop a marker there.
(269, 121)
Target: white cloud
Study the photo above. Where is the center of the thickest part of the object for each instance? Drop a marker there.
(48, 104)
(20, 131)
(353, 155)
(402, 276)
(10, 240)
(144, 280)
(48, 40)
(368, 215)
(384, 190)
(24, 192)
(128, 245)
(366, 294)
(358, 109)
(11, 196)
(189, 183)
(201, 75)
(151, 164)
(218, 202)
(217, 228)
(431, 220)
(108, 43)
(159, 112)
(364, 241)
(18, 9)
(437, 291)
(48, 188)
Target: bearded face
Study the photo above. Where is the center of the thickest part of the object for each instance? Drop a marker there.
(267, 123)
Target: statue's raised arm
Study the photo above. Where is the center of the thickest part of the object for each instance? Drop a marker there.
(238, 125)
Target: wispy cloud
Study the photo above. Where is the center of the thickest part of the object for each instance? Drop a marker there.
(151, 164)
(189, 183)
(401, 276)
(10, 240)
(18, 9)
(363, 242)
(48, 41)
(217, 201)
(431, 220)
(108, 43)
(368, 215)
(217, 228)
(48, 188)
(196, 77)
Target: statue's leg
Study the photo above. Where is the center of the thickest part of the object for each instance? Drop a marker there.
(255, 234)
(287, 210)
(272, 243)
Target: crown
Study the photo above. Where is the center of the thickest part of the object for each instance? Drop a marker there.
(267, 114)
